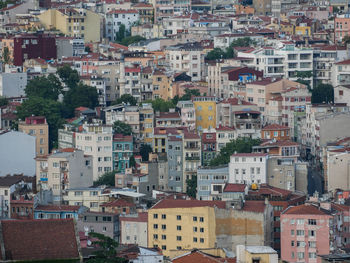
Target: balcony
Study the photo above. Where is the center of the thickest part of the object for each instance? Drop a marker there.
(192, 158)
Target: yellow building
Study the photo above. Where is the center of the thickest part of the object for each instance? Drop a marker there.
(261, 254)
(146, 123)
(175, 224)
(303, 30)
(162, 87)
(38, 127)
(205, 108)
(73, 22)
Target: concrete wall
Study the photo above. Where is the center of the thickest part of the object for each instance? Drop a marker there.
(281, 175)
(301, 170)
(13, 84)
(133, 232)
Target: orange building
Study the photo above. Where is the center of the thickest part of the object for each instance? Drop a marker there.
(275, 131)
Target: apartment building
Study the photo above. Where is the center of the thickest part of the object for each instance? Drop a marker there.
(91, 197)
(96, 140)
(306, 233)
(169, 119)
(205, 110)
(248, 168)
(188, 57)
(341, 73)
(169, 8)
(336, 169)
(341, 27)
(62, 170)
(175, 163)
(134, 229)
(8, 14)
(73, 22)
(122, 151)
(281, 62)
(211, 182)
(146, 123)
(187, 114)
(275, 131)
(146, 12)
(115, 18)
(162, 84)
(208, 139)
(146, 83)
(38, 127)
(191, 156)
(182, 224)
(223, 136)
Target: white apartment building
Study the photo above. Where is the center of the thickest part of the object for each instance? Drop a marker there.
(169, 8)
(341, 73)
(281, 61)
(223, 41)
(13, 84)
(96, 140)
(342, 94)
(115, 18)
(248, 168)
(63, 169)
(187, 57)
(89, 197)
(223, 136)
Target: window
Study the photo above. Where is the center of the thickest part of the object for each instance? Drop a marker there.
(178, 228)
(155, 236)
(195, 239)
(178, 238)
(312, 244)
(163, 227)
(201, 230)
(163, 247)
(292, 232)
(201, 219)
(292, 221)
(292, 243)
(155, 216)
(195, 229)
(164, 237)
(93, 204)
(78, 193)
(178, 248)
(155, 226)
(178, 217)
(104, 229)
(201, 240)
(312, 233)
(300, 255)
(194, 219)
(312, 222)
(300, 232)
(6, 192)
(163, 216)
(312, 255)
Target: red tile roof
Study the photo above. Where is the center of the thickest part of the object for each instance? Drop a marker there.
(249, 154)
(269, 190)
(118, 46)
(142, 217)
(39, 239)
(234, 187)
(168, 115)
(225, 128)
(122, 11)
(344, 62)
(177, 203)
(196, 256)
(305, 209)
(236, 101)
(273, 127)
(263, 82)
(134, 69)
(254, 206)
(118, 203)
(122, 138)
(272, 143)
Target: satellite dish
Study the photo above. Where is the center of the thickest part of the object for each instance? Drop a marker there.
(89, 243)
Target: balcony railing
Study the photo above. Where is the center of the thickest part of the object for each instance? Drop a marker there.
(192, 158)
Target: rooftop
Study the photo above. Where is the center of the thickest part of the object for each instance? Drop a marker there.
(306, 209)
(177, 203)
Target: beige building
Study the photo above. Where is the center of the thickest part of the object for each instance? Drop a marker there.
(62, 170)
(89, 197)
(265, 254)
(73, 22)
(133, 229)
(38, 127)
(96, 140)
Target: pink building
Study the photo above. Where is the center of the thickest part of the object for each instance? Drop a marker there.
(305, 233)
(341, 27)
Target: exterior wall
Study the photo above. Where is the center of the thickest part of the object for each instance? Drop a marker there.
(321, 238)
(146, 123)
(205, 108)
(41, 134)
(10, 143)
(117, 17)
(276, 134)
(188, 114)
(99, 146)
(122, 151)
(191, 158)
(13, 84)
(338, 171)
(281, 173)
(234, 227)
(211, 182)
(162, 87)
(89, 197)
(133, 232)
(175, 164)
(341, 28)
(187, 232)
(248, 169)
(342, 95)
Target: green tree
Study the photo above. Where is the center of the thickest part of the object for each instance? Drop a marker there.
(87, 49)
(120, 127)
(3, 101)
(303, 76)
(44, 87)
(81, 95)
(216, 53)
(131, 39)
(106, 179)
(323, 93)
(145, 149)
(6, 55)
(132, 161)
(107, 252)
(240, 145)
(126, 98)
(191, 189)
(52, 110)
(120, 35)
(189, 93)
(69, 76)
(161, 105)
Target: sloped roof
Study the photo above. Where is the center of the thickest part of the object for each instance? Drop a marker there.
(234, 187)
(177, 203)
(196, 256)
(39, 239)
(275, 127)
(306, 209)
